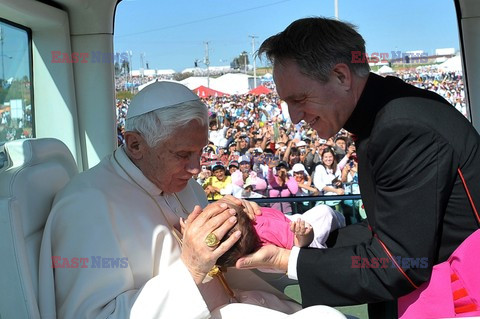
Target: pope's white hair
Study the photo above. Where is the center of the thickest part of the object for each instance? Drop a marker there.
(159, 125)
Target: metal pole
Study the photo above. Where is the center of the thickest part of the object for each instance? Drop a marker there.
(207, 63)
(336, 9)
(130, 70)
(254, 64)
(142, 68)
(245, 62)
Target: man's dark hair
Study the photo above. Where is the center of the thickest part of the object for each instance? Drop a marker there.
(317, 44)
(247, 244)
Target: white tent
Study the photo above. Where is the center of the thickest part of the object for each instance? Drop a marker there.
(194, 82)
(149, 72)
(451, 65)
(165, 72)
(385, 70)
(231, 83)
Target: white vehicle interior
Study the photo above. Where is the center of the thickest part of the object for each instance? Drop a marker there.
(74, 109)
(37, 170)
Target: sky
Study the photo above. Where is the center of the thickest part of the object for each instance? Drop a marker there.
(171, 34)
(14, 57)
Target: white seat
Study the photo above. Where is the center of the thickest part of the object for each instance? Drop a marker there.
(36, 169)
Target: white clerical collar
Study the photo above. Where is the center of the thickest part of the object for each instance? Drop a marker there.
(129, 171)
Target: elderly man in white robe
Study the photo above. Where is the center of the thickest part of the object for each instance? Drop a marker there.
(112, 246)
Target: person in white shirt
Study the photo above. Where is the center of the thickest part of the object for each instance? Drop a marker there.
(112, 247)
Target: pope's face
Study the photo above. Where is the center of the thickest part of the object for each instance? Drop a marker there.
(323, 105)
(172, 163)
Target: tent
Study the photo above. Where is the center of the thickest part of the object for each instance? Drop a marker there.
(451, 65)
(141, 87)
(232, 83)
(385, 70)
(260, 90)
(203, 91)
(267, 77)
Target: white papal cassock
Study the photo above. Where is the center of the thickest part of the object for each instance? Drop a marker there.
(131, 266)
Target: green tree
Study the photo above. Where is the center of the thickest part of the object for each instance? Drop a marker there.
(240, 61)
(118, 69)
(125, 66)
(124, 95)
(18, 90)
(3, 93)
(182, 76)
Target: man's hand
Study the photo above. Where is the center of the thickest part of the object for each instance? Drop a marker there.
(267, 257)
(351, 149)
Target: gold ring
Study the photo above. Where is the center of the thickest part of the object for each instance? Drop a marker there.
(211, 240)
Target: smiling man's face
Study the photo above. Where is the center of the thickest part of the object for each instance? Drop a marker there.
(325, 106)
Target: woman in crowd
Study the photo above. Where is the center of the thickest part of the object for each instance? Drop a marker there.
(328, 176)
(305, 187)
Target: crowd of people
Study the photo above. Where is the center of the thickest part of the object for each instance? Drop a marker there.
(255, 150)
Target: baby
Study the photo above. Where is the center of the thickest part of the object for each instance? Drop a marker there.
(273, 227)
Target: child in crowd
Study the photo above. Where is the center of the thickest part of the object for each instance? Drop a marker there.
(274, 227)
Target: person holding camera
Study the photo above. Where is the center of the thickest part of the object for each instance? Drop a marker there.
(351, 208)
(230, 136)
(242, 142)
(281, 184)
(305, 187)
(327, 178)
(245, 171)
(292, 153)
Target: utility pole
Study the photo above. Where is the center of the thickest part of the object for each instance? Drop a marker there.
(336, 9)
(245, 62)
(207, 63)
(253, 58)
(142, 68)
(130, 70)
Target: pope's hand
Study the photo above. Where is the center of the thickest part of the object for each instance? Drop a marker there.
(197, 256)
(251, 208)
(268, 257)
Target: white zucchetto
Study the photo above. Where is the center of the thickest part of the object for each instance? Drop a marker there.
(157, 95)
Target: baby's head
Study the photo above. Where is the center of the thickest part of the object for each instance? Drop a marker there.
(248, 242)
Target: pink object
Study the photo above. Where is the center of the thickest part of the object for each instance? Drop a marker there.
(453, 289)
(274, 228)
